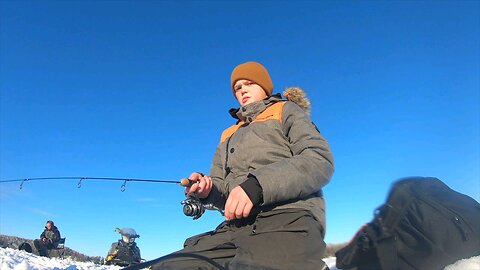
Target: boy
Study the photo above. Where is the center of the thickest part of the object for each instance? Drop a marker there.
(267, 174)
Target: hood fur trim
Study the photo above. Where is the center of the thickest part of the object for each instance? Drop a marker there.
(298, 96)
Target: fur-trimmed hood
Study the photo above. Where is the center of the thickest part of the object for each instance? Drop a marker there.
(294, 94)
(298, 96)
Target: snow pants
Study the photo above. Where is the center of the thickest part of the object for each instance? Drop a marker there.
(277, 239)
(42, 247)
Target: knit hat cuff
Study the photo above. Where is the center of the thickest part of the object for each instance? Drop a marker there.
(254, 72)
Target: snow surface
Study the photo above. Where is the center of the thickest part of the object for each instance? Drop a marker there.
(11, 259)
(330, 261)
(465, 264)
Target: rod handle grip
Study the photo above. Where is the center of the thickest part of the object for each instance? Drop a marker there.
(185, 182)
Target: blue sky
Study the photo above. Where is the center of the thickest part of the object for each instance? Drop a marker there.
(140, 89)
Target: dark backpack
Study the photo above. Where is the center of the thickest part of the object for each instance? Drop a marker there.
(424, 225)
(26, 247)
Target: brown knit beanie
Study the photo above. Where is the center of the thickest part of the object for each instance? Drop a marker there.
(254, 72)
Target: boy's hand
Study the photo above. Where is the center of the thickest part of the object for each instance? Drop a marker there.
(238, 204)
(202, 186)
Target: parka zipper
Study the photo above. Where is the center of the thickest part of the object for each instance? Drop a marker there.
(227, 169)
(458, 223)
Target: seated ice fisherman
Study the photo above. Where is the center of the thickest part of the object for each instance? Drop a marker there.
(48, 239)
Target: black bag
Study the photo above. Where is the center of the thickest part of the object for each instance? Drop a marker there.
(424, 225)
(26, 247)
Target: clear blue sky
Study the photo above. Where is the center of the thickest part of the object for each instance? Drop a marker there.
(140, 89)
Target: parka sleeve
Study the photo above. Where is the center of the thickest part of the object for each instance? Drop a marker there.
(56, 236)
(217, 196)
(307, 171)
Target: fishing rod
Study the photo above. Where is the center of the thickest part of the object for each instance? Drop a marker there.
(185, 182)
(192, 206)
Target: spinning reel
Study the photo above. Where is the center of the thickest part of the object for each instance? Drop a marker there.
(192, 206)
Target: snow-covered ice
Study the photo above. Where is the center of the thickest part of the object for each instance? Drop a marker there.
(330, 261)
(11, 259)
(466, 264)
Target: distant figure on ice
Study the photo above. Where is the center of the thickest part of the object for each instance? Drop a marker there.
(48, 239)
(267, 175)
(125, 252)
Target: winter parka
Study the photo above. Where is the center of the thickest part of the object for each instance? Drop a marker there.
(52, 235)
(276, 142)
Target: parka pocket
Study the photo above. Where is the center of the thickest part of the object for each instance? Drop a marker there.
(283, 220)
(192, 241)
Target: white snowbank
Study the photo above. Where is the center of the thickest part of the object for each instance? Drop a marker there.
(330, 261)
(11, 259)
(465, 264)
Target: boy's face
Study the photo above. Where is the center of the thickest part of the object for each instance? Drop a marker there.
(247, 92)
